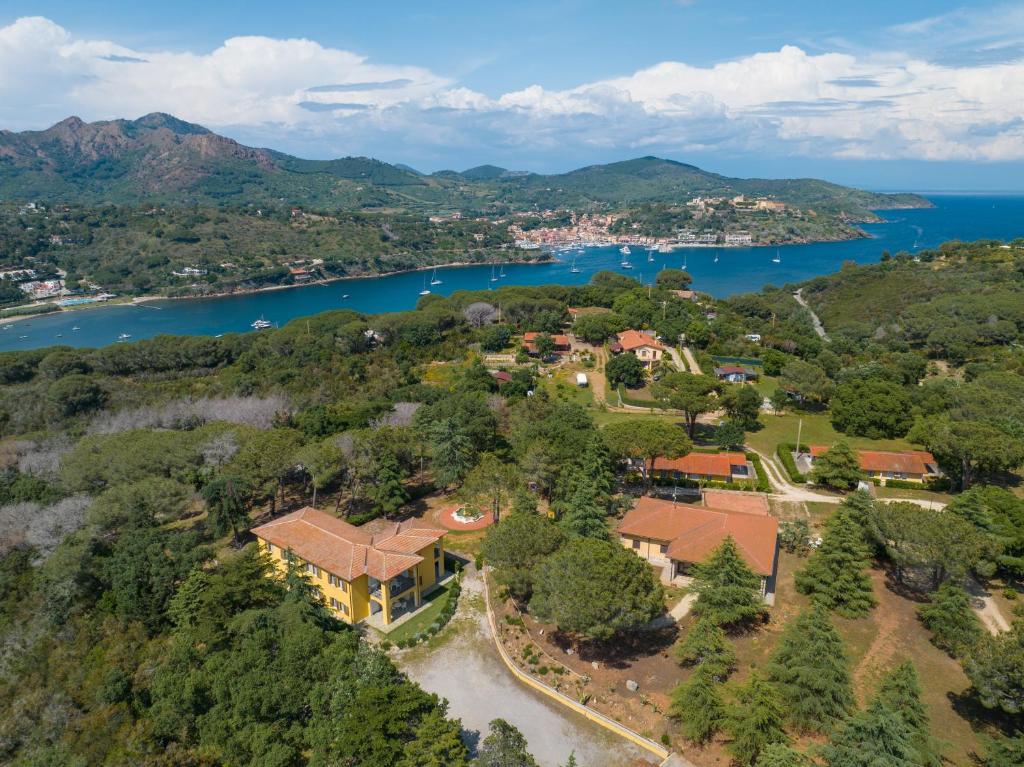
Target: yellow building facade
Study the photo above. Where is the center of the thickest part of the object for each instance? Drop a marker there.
(361, 576)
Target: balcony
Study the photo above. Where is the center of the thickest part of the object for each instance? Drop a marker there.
(397, 585)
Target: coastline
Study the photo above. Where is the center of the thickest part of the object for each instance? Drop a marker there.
(136, 300)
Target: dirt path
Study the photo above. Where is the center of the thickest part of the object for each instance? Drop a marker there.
(884, 647)
(986, 609)
(691, 361)
(818, 327)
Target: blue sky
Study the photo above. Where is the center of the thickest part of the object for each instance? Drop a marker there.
(922, 95)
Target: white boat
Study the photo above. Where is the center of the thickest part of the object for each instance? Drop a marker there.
(684, 262)
(493, 277)
(124, 336)
(8, 327)
(574, 269)
(262, 324)
(625, 264)
(650, 255)
(624, 250)
(778, 258)
(716, 258)
(76, 328)
(501, 271)
(426, 290)
(433, 279)
(344, 295)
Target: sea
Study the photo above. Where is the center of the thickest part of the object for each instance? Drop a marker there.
(721, 272)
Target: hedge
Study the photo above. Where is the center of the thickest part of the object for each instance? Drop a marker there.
(763, 485)
(442, 619)
(937, 485)
(785, 452)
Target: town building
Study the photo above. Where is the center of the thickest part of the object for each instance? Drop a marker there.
(361, 575)
(883, 465)
(562, 344)
(676, 536)
(705, 467)
(648, 349)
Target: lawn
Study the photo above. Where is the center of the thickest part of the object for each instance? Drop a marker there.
(816, 429)
(435, 602)
(895, 493)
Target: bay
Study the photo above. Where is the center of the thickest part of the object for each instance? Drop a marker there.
(736, 270)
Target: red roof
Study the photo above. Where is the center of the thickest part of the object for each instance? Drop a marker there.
(730, 369)
(740, 502)
(905, 462)
(711, 464)
(634, 339)
(501, 375)
(693, 532)
(346, 550)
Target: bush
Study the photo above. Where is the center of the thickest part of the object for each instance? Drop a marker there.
(785, 452)
(763, 485)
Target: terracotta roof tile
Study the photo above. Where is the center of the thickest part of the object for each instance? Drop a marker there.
(693, 532)
(905, 462)
(634, 339)
(712, 464)
(346, 550)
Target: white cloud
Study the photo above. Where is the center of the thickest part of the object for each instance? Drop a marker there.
(845, 105)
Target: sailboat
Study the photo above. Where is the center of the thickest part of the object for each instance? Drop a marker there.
(426, 290)
(434, 280)
(493, 276)
(650, 256)
(624, 250)
(625, 264)
(501, 271)
(778, 258)
(574, 269)
(684, 262)
(716, 258)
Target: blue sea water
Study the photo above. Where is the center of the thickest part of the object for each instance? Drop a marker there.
(738, 270)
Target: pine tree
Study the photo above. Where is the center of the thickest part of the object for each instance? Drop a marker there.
(836, 573)
(728, 590)
(781, 755)
(698, 704)
(585, 515)
(875, 737)
(900, 692)
(504, 746)
(811, 671)
(954, 626)
(755, 721)
(838, 467)
(387, 491)
(706, 646)
(437, 742)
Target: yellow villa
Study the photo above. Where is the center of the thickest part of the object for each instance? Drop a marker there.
(362, 576)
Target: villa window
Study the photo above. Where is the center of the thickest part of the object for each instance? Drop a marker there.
(270, 548)
(663, 548)
(636, 543)
(334, 580)
(311, 568)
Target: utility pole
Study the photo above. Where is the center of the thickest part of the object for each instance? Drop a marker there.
(799, 428)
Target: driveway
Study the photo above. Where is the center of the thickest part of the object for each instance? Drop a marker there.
(467, 671)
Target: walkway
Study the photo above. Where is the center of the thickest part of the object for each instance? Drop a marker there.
(691, 361)
(818, 327)
(986, 609)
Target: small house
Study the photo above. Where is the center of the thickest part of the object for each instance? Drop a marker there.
(648, 349)
(735, 374)
(883, 465)
(705, 467)
(562, 344)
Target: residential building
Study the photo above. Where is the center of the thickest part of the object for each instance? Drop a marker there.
(561, 343)
(679, 535)
(361, 575)
(705, 467)
(883, 465)
(648, 349)
(735, 374)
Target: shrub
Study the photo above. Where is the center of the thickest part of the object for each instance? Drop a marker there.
(763, 485)
(785, 452)
(543, 670)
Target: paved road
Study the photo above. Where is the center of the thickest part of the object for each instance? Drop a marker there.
(691, 361)
(467, 671)
(818, 327)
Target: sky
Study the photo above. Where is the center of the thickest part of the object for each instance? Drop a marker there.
(909, 95)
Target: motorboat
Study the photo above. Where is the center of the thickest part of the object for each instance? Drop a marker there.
(262, 324)
(624, 250)
(126, 336)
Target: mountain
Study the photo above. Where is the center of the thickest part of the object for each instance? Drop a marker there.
(160, 158)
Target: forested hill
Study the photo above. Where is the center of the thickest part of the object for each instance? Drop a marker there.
(164, 159)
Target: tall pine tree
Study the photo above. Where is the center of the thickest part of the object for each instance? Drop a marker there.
(698, 705)
(900, 692)
(954, 626)
(781, 755)
(836, 573)
(811, 671)
(728, 591)
(706, 646)
(875, 737)
(755, 721)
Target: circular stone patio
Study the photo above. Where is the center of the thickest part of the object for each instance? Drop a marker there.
(447, 518)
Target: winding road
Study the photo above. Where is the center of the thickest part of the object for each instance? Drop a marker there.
(818, 327)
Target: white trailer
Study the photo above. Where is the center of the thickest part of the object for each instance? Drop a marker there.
(581, 379)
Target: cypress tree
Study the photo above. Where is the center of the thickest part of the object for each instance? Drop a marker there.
(756, 721)
(954, 626)
(729, 593)
(811, 671)
(706, 646)
(875, 737)
(900, 692)
(698, 704)
(836, 573)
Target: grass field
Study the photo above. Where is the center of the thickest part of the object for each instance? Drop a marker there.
(435, 602)
(816, 429)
